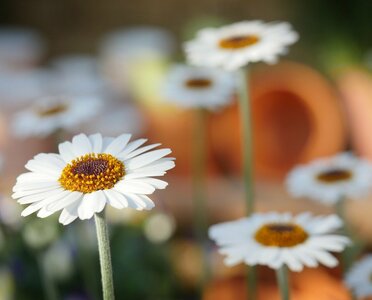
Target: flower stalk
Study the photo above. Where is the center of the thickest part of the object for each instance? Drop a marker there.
(283, 283)
(246, 128)
(104, 256)
(199, 185)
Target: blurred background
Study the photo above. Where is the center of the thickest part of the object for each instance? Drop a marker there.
(316, 102)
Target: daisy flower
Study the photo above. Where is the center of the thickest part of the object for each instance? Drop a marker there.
(234, 46)
(331, 179)
(199, 87)
(90, 172)
(277, 239)
(47, 115)
(358, 279)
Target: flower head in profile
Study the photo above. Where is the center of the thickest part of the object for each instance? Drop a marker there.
(190, 87)
(329, 180)
(49, 114)
(90, 172)
(234, 46)
(277, 239)
(358, 278)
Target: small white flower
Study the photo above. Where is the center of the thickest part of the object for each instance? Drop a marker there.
(234, 46)
(358, 279)
(47, 115)
(90, 172)
(199, 87)
(329, 180)
(277, 239)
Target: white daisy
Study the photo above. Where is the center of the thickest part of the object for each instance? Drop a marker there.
(234, 46)
(89, 172)
(47, 115)
(359, 278)
(199, 87)
(277, 239)
(331, 179)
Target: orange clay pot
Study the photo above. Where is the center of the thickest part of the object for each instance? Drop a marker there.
(310, 284)
(355, 86)
(174, 129)
(296, 118)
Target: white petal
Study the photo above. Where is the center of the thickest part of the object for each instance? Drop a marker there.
(118, 144)
(91, 203)
(156, 183)
(69, 214)
(116, 199)
(96, 141)
(141, 150)
(147, 158)
(81, 145)
(69, 198)
(134, 186)
(131, 147)
(66, 151)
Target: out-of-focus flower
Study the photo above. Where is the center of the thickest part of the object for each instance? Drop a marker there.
(6, 284)
(159, 227)
(76, 75)
(234, 46)
(358, 278)
(49, 114)
(329, 180)
(274, 240)
(10, 212)
(20, 48)
(38, 234)
(89, 172)
(58, 261)
(135, 59)
(19, 87)
(116, 118)
(199, 87)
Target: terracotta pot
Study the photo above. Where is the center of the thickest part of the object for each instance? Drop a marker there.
(355, 86)
(308, 285)
(296, 117)
(174, 129)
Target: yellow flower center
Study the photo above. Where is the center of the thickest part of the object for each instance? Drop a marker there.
(281, 235)
(238, 41)
(198, 83)
(53, 110)
(92, 172)
(334, 176)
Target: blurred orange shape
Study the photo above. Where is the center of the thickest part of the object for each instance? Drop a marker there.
(296, 118)
(310, 284)
(355, 86)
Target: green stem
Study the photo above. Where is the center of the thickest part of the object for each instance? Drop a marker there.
(246, 127)
(283, 283)
(104, 256)
(247, 152)
(49, 287)
(199, 186)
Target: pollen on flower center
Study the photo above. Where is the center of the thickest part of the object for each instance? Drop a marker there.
(334, 175)
(238, 41)
(281, 235)
(198, 83)
(92, 172)
(53, 110)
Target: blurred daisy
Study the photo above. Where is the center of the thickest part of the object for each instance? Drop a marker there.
(47, 115)
(89, 172)
(358, 279)
(331, 179)
(234, 46)
(199, 87)
(275, 239)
